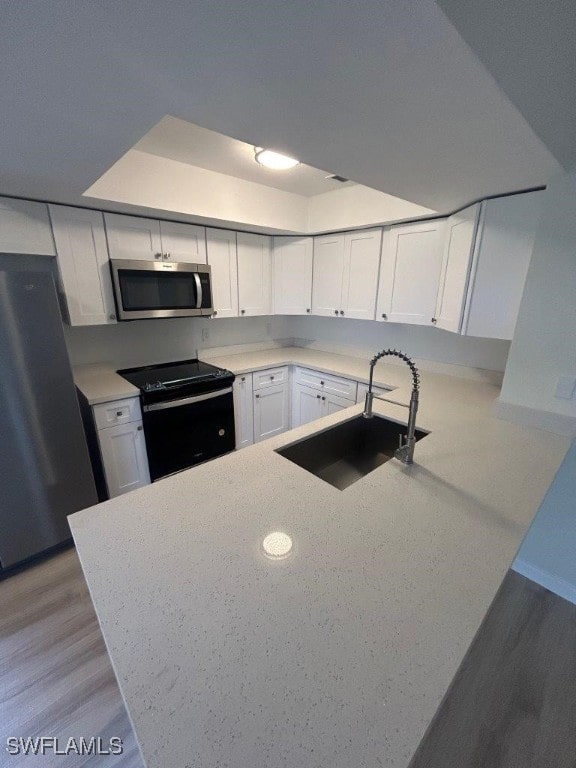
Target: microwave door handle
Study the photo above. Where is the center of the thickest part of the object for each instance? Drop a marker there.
(198, 290)
(187, 400)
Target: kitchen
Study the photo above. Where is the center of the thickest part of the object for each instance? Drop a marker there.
(420, 340)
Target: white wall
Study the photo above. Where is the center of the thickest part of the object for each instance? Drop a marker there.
(420, 342)
(543, 349)
(358, 206)
(168, 187)
(544, 344)
(547, 554)
(144, 342)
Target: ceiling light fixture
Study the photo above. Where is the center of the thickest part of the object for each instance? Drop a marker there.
(274, 160)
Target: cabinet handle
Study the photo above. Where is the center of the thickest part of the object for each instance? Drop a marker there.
(318, 397)
(272, 378)
(335, 311)
(321, 383)
(157, 255)
(434, 320)
(215, 312)
(384, 316)
(112, 316)
(341, 311)
(323, 398)
(242, 311)
(307, 310)
(243, 378)
(118, 413)
(257, 396)
(140, 428)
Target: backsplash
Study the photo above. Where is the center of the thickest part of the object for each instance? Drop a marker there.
(144, 342)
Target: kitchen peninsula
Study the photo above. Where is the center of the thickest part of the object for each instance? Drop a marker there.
(339, 653)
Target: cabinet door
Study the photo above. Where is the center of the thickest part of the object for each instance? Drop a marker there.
(25, 228)
(292, 275)
(502, 254)
(410, 273)
(334, 403)
(183, 242)
(83, 264)
(306, 405)
(254, 274)
(243, 410)
(270, 411)
(131, 237)
(360, 277)
(221, 251)
(456, 262)
(327, 275)
(124, 458)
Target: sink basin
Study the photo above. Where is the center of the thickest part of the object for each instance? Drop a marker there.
(343, 454)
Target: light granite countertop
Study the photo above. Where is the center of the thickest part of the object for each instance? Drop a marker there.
(339, 654)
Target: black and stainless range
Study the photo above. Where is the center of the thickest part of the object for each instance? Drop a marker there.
(187, 411)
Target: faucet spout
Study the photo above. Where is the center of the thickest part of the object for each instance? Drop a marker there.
(405, 452)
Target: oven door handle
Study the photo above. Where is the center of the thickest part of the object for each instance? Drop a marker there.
(198, 290)
(187, 400)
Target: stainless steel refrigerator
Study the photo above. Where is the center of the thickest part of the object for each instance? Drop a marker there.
(45, 471)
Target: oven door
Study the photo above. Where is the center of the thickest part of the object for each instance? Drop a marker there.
(184, 432)
(147, 289)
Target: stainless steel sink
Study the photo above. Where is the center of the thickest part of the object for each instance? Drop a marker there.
(343, 454)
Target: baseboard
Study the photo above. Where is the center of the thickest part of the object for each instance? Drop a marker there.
(555, 584)
(549, 421)
(449, 369)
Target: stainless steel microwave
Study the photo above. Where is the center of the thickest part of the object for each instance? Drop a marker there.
(146, 289)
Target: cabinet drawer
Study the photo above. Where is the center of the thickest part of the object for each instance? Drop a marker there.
(117, 412)
(270, 376)
(327, 383)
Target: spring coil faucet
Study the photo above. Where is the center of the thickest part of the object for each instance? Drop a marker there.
(406, 450)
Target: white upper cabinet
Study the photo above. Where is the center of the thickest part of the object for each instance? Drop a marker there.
(327, 278)
(410, 273)
(25, 228)
(254, 274)
(292, 275)
(502, 254)
(360, 278)
(132, 237)
(221, 252)
(456, 263)
(487, 250)
(345, 277)
(183, 242)
(83, 264)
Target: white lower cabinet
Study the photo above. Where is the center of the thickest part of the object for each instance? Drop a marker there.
(122, 445)
(243, 410)
(271, 411)
(312, 398)
(124, 458)
(306, 404)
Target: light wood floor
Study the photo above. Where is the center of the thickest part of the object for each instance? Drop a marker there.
(55, 674)
(511, 705)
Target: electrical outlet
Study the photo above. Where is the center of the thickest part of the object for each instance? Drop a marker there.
(565, 387)
(205, 334)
